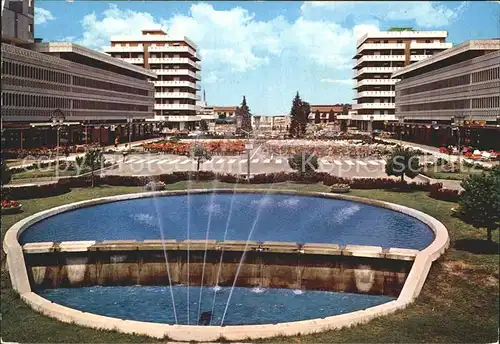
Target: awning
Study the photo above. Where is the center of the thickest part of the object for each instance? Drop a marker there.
(49, 124)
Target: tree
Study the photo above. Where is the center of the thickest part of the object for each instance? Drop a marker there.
(331, 116)
(6, 174)
(402, 161)
(94, 159)
(203, 125)
(479, 203)
(243, 112)
(200, 154)
(303, 163)
(299, 117)
(317, 117)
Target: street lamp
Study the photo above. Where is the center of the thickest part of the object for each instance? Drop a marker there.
(401, 123)
(248, 147)
(57, 118)
(130, 119)
(456, 123)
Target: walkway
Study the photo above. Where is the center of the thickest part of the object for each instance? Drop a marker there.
(73, 156)
(435, 151)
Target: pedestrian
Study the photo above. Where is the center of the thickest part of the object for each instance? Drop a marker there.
(116, 143)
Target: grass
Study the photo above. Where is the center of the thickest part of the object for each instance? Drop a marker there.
(459, 301)
(451, 175)
(45, 172)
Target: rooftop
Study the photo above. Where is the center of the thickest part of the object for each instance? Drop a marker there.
(152, 35)
(78, 53)
(459, 53)
(402, 33)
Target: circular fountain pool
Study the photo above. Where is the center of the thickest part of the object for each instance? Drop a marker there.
(241, 216)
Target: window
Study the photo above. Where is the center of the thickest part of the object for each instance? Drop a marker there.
(399, 41)
(427, 41)
(30, 27)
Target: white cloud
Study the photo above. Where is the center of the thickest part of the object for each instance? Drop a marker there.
(97, 32)
(42, 15)
(425, 14)
(338, 81)
(234, 40)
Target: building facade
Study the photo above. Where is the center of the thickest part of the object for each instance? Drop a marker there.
(327, 113)
(459, 86)
(95, 92)
(18, 21)
(378, 55)
(177, 65)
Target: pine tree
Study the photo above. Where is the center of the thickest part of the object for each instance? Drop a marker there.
(243, 112)
(299, 117)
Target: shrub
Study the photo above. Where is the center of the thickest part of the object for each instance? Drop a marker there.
(480, 201)
(437, 191)
(402, 162)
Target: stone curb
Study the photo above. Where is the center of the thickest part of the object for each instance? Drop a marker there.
(411, 289)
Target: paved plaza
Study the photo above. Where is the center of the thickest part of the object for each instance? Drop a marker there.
(150, 164)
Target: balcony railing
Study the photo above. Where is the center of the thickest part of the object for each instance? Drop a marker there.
(176, 83)
(177, 72)
(176, 95)
(379, 46)
(432, 45)
(175, 107)
(373, 106)
(172, 48)
(175, 60)
(380, 58)
(376, 70)
(365, 82)
(376, 94)
(138, 49)
(133, 60)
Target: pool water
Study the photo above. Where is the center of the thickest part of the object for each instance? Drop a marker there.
(259, 217)
(247, 306)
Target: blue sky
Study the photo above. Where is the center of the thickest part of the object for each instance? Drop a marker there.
(266, 50)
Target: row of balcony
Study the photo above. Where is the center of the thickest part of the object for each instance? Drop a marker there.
(376, 82)
(374, 106)
(177, 95)
(151, 49)
(389, 58)
(375, 70)
(175, 60)
(365, 94)
(413, 45)
(187, 72)
(176, 83)
(182, 107)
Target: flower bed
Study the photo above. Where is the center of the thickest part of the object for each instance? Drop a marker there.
(340, 188)
(10, 207)
(182, 148)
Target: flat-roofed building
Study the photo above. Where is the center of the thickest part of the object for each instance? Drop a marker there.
(18, 21)
(327, 113)
(87, 86)
(459, 86)
(378, 55)
(177, 64)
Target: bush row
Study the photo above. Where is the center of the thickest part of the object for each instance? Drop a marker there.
(65, 184)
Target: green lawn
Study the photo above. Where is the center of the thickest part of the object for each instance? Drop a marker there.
(451, 175)
(459, 301)
(45, 172)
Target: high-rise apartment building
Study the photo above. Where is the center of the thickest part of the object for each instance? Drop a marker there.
(18, 21)
(176, 62)
(378, 55)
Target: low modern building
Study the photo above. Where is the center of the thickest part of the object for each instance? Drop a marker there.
(95, 92)
(95, 97)
(177, 64)
(378, 55)
(270, 123)
(459, 87)
(327, 113)
(225, 111)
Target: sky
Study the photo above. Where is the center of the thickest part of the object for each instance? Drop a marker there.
(266, 50)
